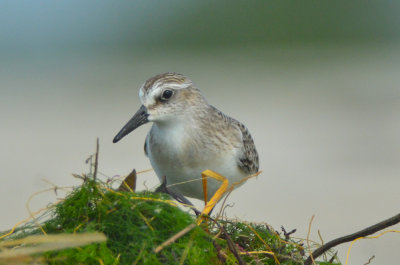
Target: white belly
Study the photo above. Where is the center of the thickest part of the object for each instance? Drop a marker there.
(174, 155)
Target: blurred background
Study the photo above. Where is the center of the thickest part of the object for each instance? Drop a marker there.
(316, 82)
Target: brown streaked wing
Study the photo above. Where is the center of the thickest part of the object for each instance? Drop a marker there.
(248, 161)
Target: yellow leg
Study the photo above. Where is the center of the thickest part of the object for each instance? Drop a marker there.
(205, 190)
(209, 205)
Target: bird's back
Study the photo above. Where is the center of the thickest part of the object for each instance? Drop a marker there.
(247, 160)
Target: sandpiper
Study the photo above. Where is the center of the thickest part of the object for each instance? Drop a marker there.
(189, 135)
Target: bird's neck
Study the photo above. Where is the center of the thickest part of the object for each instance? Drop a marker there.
(191, 117)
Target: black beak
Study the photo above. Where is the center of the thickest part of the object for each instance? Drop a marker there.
(137, 120)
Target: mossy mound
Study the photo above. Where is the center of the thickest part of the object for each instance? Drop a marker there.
(136, 223)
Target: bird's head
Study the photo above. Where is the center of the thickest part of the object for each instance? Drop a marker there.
(165, 97)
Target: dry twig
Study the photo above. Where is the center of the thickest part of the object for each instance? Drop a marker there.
(365, 232)
(175, 237)
(96, 160)
(369, 260)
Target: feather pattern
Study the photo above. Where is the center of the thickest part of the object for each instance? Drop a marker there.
(189, 135)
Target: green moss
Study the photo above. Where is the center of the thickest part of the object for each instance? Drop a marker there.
(251, 237)
(136, 223)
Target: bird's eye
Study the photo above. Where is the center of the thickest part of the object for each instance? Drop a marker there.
(167, 94)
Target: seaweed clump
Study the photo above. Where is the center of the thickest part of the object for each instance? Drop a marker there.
(134, 223)
(137, 223)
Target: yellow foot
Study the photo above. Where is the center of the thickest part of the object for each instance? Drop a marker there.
(209, 205)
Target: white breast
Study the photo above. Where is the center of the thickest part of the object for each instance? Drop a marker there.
(176, 153)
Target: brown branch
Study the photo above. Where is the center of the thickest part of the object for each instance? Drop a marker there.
(365, 232)
(96, 161)
(232, 246)
(229, 242)
(369, 260)
(287, 234)
(220, 254)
